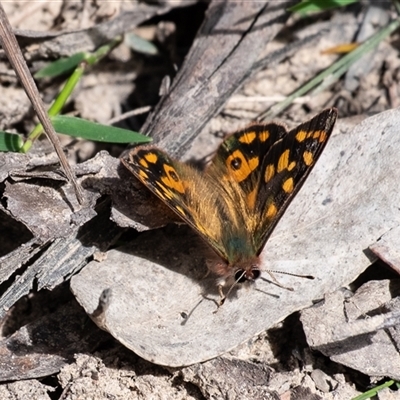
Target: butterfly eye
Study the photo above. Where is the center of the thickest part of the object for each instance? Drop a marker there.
(256, 273)
(240, 276)
(236, 163)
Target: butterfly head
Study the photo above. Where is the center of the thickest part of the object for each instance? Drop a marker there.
(242, 272)
(246, 271)
(249, 274)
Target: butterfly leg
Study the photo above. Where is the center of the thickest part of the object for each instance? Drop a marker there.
(222, 296)
(206, 274)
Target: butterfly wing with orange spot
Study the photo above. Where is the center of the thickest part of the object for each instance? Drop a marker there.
(285, 168)
(238, 160)
(198, 201)
(262, 176)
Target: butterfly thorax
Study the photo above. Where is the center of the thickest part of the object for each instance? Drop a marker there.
(238, 243)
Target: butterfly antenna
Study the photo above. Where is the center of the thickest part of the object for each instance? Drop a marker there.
(271, 274)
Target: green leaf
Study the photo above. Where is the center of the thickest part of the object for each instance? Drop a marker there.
(308, 6)
(61, 66)
(82, 128)
(140, 45)
(10, 141)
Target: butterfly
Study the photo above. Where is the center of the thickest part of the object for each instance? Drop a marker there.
(235, 204)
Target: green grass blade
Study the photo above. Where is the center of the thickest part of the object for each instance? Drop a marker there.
(308, 6)
(103, 51)
(82, 128)
(331, 74)
(57, 105)
(80, 62)
(10, 142)
(65, 65)
(66, 91)
(61, 66)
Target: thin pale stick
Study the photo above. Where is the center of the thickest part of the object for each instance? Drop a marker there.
(14, 54)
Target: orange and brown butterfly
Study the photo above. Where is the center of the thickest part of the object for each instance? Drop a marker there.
(237, 201)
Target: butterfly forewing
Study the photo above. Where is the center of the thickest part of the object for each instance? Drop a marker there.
(261, 168)
(238, 159)
(285, 168)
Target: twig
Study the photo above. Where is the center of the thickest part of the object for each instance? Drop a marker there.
(14, 54)
(132, 113)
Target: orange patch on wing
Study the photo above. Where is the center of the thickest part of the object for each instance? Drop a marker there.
(271, 211)
(320, 135)
(151, 157)
(247, 137)
(239, 166)
(288, 185)
(251, 199)
(308, 158)
(143, 176)
(263, 136)
(283, 162)
(171, 179)
(269, 172)
(291, 165)
(301, 135)
(143, 163)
